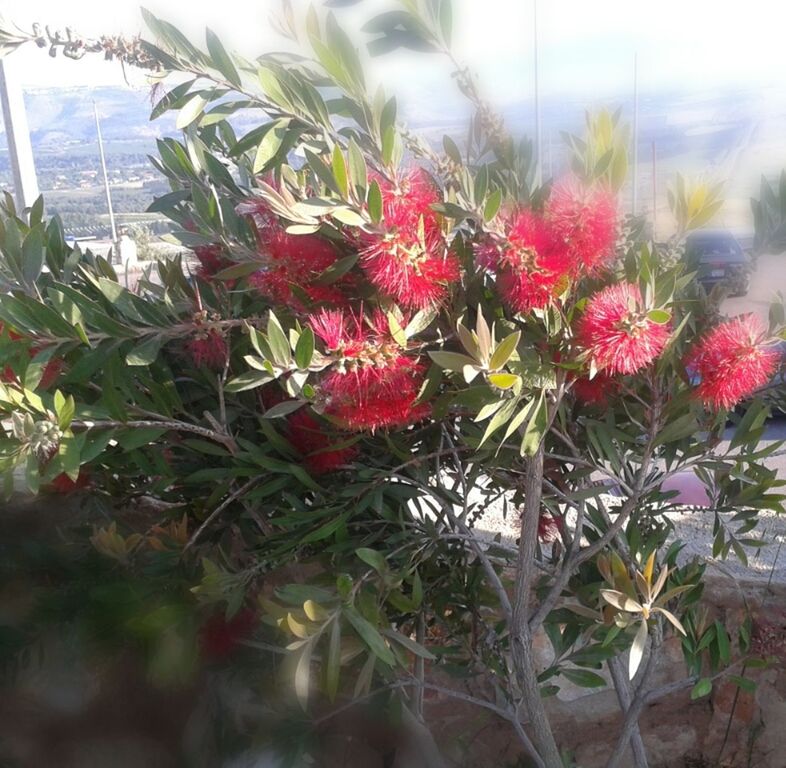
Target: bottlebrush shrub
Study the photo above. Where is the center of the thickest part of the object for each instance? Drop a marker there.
(378, 341)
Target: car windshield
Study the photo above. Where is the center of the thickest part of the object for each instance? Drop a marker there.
(714, 246)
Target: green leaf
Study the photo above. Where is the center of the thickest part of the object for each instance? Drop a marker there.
(702, 688)
(337, 270)
(279, 345)
(236, 271)
(333, 660)
(191, 111)
(451, 361)
(536, 427)
(452, 150)
(373, 558)
(411, 645)
(420, 321)
(659, 316)
(722, 639)
(637, 649)
(221, 58)
(65, 407)
(304, 349)
(279, 410)
(340, 171)
(172, 100)
(504, 351)
(492, 205)
(131, 439)
(370, 636)
(503, 380)
(374, 202)
(33, 254)
(349, 217)
(146, 352)
(303, 674)
(270, 144)
(747, 685)
(248, 380)
(322, 172)
(584, 678)
(682, 427)
(358, 171)
(396, 331)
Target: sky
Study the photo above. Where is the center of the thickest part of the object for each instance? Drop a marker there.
(585, 48)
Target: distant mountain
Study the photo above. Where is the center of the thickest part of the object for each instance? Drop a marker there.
(59, 117)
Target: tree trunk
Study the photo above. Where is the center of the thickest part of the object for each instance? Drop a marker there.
(521, 637)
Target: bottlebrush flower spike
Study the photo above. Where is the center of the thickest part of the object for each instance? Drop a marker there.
(410, 260)
(290, 260)
(596, 390)
(64, 485)
(207, 345)
(548, 527)
(585, 222)
(341, 331)
(732, 361)
(532, 266)
(313, 443)
(616, 332)
(219, 637)
(372, 384)
(208, 349)
(212, 259)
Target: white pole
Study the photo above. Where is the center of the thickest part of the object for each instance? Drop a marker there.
(20, 151)
(635, 132)
(115, 248)
(538, 133)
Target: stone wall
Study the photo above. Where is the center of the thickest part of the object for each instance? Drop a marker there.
(730, 728)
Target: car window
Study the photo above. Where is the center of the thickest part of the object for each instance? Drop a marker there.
(714, 247)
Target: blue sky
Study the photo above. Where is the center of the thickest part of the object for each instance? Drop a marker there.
(586, 47)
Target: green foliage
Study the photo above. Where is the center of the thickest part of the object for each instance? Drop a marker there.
(367, 572)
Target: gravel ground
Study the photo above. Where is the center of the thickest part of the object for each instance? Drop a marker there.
(693, 527)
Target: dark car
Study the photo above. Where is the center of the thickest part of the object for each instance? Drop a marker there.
(717, 257)
(775, 391)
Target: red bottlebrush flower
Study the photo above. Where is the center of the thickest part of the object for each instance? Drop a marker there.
(212, 259)
(52, 371)
(64, 485)
(585, 222)
(373, 384)
(732, 361)
(548, 527)
(410, 261)
(290, 260)
(616, 332)
(339, 330)
(311, 441)
(219, 636)
(595, 390)
(208, 349)
(532, 267)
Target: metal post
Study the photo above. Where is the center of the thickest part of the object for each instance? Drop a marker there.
(538, 133)
(20, 151)
(115, 244)
(635, 133)
(654, 189)
(550, 157)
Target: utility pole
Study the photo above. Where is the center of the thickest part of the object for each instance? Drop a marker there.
(538, 132)
(654, 189)
(635, 133)
(20, 151)
(115, 242)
